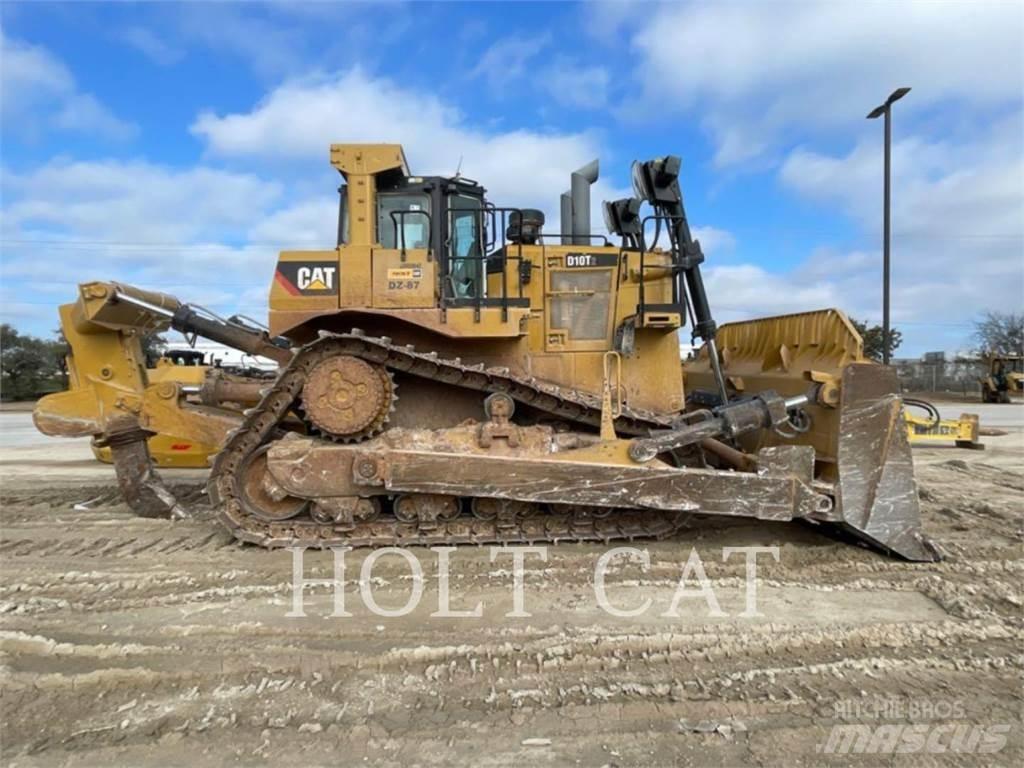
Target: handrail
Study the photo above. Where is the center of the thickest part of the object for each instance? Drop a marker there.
(485, 253)
(677, 291)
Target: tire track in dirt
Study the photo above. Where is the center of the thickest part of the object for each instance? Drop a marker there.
(127, 640)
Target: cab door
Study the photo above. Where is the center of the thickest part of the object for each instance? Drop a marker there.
(404, 267)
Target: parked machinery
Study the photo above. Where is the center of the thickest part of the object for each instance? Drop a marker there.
(932, 429)
(449, 373)
(1004, 378)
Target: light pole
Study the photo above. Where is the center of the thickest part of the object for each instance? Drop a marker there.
(886, 109)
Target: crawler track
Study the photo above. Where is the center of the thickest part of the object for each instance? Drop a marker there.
(565, 525)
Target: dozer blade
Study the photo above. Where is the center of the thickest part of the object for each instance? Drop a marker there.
(856, 419)
(876, 493)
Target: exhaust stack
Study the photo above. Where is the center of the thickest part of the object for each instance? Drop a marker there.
(576, 205)
(566, 218)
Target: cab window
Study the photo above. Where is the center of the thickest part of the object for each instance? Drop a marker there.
(466, 266)
(412, 218)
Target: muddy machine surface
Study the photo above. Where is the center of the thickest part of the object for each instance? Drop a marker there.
(452, 373)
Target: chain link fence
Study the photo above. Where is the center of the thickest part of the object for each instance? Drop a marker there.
(934, 373)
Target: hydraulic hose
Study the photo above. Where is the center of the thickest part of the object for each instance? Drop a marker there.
(924, 405)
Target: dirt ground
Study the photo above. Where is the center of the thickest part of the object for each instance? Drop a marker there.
(128, 642)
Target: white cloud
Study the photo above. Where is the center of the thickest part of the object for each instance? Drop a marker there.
(958, 238)
(513, 66)
(266, 39)
(189, 232)
(211, 235)
(957, 223)
(576, 85)
(301, 118)
(607, 19)
(714, 240)
(40, 94)
(760, 72)
(309, 223)
(155, 47)
(82, 112)
(746, 290)
(134, 202)
(761, 76)
(508, 57)
(283, 38)
(941, 189)
(29, 70)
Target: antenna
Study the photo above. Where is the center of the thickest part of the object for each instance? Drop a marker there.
(458, 169)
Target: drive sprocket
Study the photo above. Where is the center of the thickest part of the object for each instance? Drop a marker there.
(348, 399)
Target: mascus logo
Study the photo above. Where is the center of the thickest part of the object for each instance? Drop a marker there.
(308, 278)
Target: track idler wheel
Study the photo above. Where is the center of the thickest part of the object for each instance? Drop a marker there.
(505, 511)
(426, 508)
(348, 399)
(260, 495)
(345, 511)
(580, 512)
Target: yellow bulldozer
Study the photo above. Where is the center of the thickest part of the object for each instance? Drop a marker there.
(451, 373)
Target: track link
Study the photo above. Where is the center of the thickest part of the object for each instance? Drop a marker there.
(580, 408)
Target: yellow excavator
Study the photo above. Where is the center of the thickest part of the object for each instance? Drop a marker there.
(450, 373)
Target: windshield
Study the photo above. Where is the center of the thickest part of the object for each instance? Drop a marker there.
(412, 218)
(466, 264)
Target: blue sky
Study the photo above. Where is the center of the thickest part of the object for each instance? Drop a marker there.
(179, 146)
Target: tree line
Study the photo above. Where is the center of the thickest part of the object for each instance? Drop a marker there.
(996, 334)
(31, 367)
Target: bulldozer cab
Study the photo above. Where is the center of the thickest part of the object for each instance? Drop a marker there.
(448, 222)
(414, 246)
(433, 214)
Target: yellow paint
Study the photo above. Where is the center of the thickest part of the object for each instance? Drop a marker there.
(561, 336)
(108, 378)
(372, 279)
(359, 164)
(171, 452)
(406, 280)
(788, 354)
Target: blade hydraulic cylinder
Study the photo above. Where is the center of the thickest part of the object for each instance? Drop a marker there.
(765, 411)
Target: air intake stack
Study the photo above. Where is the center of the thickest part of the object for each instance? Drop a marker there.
(576, 205)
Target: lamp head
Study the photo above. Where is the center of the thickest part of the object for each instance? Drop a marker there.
(622, 217)
(657, 181)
